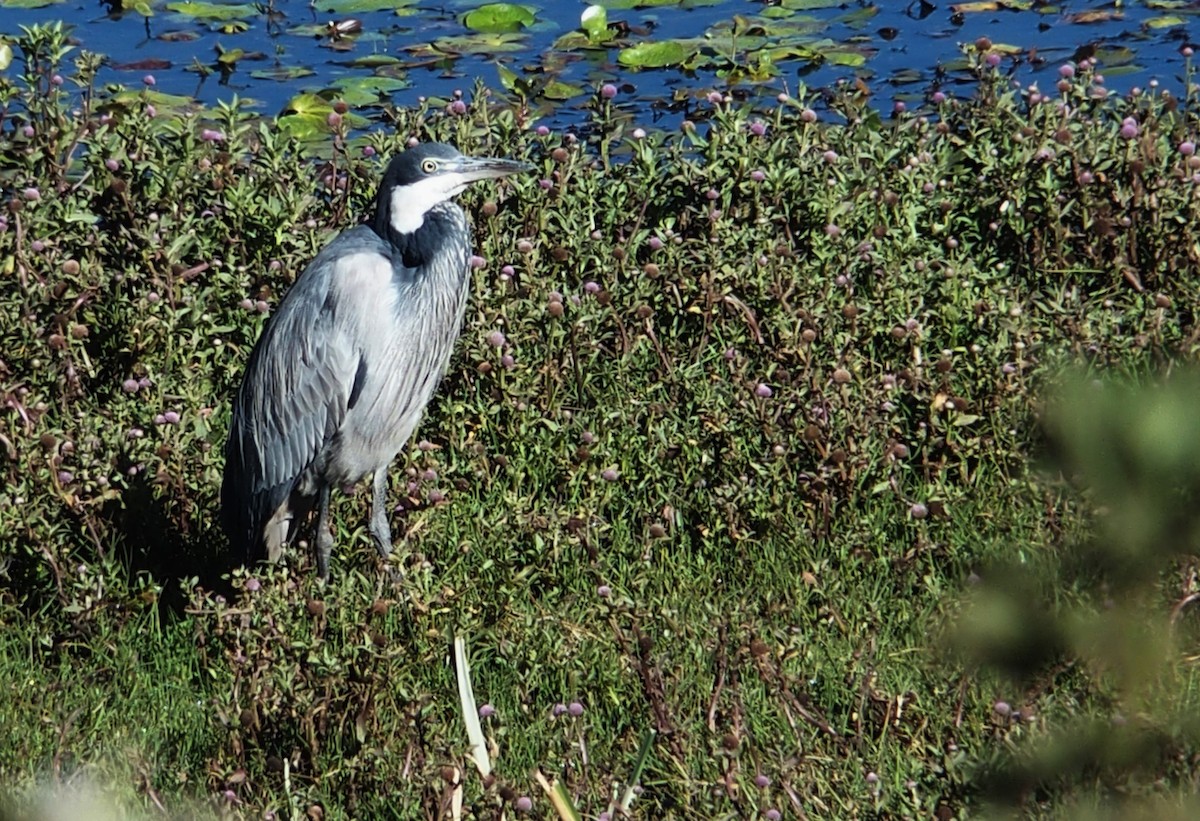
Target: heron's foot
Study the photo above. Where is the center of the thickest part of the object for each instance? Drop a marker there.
(381, 530)
(381, 535)
(324, 551)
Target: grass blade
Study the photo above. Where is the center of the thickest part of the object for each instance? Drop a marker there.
(466, 697)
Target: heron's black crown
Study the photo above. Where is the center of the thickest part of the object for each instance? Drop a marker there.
(409, 167)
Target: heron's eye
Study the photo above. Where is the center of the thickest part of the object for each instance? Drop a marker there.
(429, 166)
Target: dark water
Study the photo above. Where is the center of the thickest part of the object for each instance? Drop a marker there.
(909, 49)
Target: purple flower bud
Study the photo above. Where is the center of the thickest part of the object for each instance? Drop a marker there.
(918, 511)
(159, 419)
(65, 477)
(587, 437)
(151, 111)
(487, 711)
(1066, 71)
(830, 156)
(716, 97)
(591, 287)
(247, 304)
(149, 80)
(261, 306)
(655, 243)
(458, 107)
(171, 418)
(872, 778)
(37, 246)
(1187, 148)
(808, 115)
(368, 151)
(772, 815)
(610, 474)
(211, 135)
(334, 120)
(1129, 130)
(604, 591)
(757, 128)
(1002, 708)
(992, 59)
(639, 134)
(899, 107)
(253, 585)
(112, 165)
(1187, 51)
(558, 709)
(763, 390)
(507, 272)
(758, 175)
(507, 362)
(523, 804)
(477, 261)
(761, 781)
(711, 194)
(542, 131)
(833, 231)
(575, 709)
(938, 97)
(545, 184)
(130, 386)
(32, 194)
(28, 131)
(496, 339)
(608, 91)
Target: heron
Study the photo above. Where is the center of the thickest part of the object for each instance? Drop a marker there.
(347, 363)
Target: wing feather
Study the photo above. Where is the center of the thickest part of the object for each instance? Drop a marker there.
(294, 394)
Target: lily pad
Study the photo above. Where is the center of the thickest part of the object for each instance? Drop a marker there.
(282, 73)
(654, 55)
(27, 4)
(213, 11)
(373, 61)
(495, 18)
(369, 90)
(363, 6)
(472, 44)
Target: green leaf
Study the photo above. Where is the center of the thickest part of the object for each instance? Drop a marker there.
(363, 6)
(654, 55)
(558, 90)
(282, 73)
(213, 11)
(496, 18)
(471, 44)
(1167, 21)
(360, 91)
(6, 56)
(26, 4)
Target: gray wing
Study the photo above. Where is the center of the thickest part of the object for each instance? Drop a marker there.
(301, 377)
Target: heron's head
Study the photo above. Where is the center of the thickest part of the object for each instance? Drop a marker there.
(420, 178)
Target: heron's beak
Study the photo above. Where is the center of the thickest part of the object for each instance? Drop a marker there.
(470, 169)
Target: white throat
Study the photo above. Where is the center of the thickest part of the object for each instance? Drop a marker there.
(410, 203)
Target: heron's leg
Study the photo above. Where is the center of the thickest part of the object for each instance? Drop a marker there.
(381, 531)
(324, 534)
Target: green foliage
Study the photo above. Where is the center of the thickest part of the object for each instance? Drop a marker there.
(765, 397)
